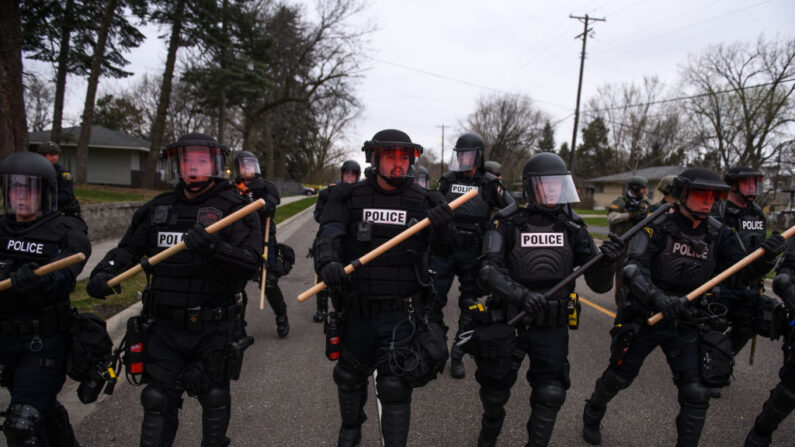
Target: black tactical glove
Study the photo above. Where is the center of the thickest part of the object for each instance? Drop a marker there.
(612, 248)
(333, 274)
(200, 241)
(784, 288)
(638, 214)
(97, 286)
(24, 280)
(774, 246)
(670, 306)
(440, 216)
(533, 302)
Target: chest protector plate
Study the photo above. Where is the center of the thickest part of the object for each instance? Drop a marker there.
(187, 280)
(376, 218)
(686, 261)
(541, 254)
(474, 214)
(749, 226)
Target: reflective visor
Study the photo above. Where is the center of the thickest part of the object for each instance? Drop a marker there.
(703, 197)
(749, 186)
(554, 189)
(248, 167)
(350, 176)
(194, 163)
(423, 180)
(393, 162)
(464, 160)
(22, 194)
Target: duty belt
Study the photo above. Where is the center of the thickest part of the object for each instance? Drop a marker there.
(53, 320)
(192, 319)
(367, 308)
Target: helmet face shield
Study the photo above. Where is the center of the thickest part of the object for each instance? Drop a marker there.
(423, 180)
(349, 175)
(552, 190)
(749, 186)
(464, 160)
(700, 201)
(247, 167)
(393, 162)
(23, 195)
(194, 164)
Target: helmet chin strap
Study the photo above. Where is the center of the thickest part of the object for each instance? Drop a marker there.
(195, 187)
(391, 181)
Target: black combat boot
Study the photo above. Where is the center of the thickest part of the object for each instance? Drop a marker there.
(777, 407)
(592, 418)
(493, 415)
(457, 370)
(395, 421)
(282, 326)
(322, 307)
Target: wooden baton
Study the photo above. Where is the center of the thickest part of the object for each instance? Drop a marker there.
(704, 288)
(49, 268)
(171, 251)
(386, 246)
(264, 263)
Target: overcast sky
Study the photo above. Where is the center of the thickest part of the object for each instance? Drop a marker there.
(519, 46)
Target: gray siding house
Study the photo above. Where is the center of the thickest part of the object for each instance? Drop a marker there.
(112, 155)
(607, 188)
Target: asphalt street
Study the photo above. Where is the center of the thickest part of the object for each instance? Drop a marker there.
(286, 396)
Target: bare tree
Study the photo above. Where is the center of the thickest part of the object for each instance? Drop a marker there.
(743, 100)
(38, 101)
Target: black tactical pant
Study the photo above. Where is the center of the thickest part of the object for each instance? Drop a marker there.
(742, 305)
(365, 343)
(548, 375)
(780, 403)
(34, 371)
(464, 263)
(175, 357)
(681, 349)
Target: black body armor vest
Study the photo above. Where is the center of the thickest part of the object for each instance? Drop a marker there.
(686, 261)
(375, 218)
(748, 224)
(474, 215)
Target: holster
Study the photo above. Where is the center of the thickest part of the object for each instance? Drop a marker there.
(622, 335)
(226, 364)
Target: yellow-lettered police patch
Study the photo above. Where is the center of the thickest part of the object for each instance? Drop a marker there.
(66, 175)
(649, 230)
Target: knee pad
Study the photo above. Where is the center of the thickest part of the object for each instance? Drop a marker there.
(614, 381)
(694, 394)
(548, 394)
(216, 397)
(21, 425)
(392, 390)
(154, 400)
(494, 398)
(348, 378)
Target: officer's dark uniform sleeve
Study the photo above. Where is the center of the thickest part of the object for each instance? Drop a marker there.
(333, 224)
(445, 242)
(74, 241)
(496, 194)
(239, 247)
(132, 246)
(599, 277)
(322, 198)
(493, 275)
(66, 191)
(642, 248)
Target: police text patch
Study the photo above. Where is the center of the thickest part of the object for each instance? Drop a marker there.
(542, 239)
(25, 247)
(753, 225)
(462, 189)
(382, 216)
(169, 238)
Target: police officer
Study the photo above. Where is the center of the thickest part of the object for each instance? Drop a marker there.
(741, 294)
(35, 312)
(350, 171)
(380, 299)
(624, 213)
(526, 252)
(665, 189)
(67, 203)
(466, 172)
(193, 301)
(423, 177)
(673, 256)
(250, 184)
(782, 397)
(494, 168)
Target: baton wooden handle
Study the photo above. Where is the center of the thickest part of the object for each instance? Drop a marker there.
(264, 264)
(49, 268)
(704, 288)
(171, 251)
(388, 245)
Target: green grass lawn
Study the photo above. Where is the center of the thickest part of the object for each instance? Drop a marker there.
(87, 194)
(130, 288)
(595, 221)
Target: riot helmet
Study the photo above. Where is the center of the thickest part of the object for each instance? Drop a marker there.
(665, 184)
(467, 154)
(697, 189)
(422, 178)
(350, 171)
(547, 181)
(29, 185)
(391, 153)
(195, 160)
(247, 165)
(493, 168)
(636, 185)
(744, 181)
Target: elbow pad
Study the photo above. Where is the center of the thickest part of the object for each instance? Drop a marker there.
(325, 251)
(236, 259)
(640, 286)
(490, 278)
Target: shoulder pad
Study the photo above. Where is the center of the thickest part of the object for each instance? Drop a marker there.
(617, 204)
(491, 177)
(508, 210)
(345, 189)
(757, 209)
(713, 225)
(166, 198)
(577, 219)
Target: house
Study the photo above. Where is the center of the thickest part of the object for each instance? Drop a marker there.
(607, 188)
(114, 158)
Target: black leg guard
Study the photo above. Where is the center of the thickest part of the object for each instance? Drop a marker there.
(606, 389)
(59, 430)
(493, 415)
(23, 426)
(159, 427)
(545, 401)
(693, 402)
(276, 300)
(216, 410)
(777, 407)
(322, 306)
(352, 393)
(395, 397)
(457, 370)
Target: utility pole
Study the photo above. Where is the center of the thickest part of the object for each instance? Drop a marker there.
(441, 164)
(584, 37)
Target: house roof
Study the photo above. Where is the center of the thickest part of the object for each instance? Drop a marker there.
(101, 137)
(651, 174)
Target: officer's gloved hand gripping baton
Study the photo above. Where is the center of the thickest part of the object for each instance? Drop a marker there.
(577, 273)
(171, 251)
(49, 268)
(704, 288)
(386, 246)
